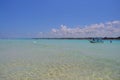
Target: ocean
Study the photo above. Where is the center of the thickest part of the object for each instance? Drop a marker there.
(54, 59)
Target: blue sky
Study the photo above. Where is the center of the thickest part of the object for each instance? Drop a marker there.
(28, 18)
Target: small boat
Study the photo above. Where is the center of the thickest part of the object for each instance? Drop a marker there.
(96, 40)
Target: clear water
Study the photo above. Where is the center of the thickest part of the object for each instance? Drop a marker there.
(59, 60)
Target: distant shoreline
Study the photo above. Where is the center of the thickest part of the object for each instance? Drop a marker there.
(105, 38)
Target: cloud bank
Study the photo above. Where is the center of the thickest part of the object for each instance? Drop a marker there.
(108, 29)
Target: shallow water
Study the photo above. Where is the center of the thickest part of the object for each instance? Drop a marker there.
(59, 60)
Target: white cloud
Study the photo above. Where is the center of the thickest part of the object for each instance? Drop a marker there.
(108, 29)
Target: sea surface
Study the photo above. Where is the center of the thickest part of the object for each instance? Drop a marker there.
(51, 59)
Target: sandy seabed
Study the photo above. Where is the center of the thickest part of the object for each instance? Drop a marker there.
(21, 70)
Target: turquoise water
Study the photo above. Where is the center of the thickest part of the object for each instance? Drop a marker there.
(44, 59)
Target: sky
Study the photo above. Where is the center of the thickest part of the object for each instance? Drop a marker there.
(59, 18)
